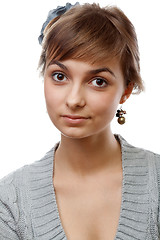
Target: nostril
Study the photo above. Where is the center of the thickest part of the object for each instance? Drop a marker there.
(76, 96)
(75, 102)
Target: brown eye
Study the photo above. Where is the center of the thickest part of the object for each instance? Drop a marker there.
(99, 82)
(59, 77)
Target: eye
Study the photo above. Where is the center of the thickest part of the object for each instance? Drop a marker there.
(59, 77)
(99, 82)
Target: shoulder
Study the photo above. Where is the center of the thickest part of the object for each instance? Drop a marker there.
(21, 176)
(10, 184)
(157, 158)
(19, 179)
(137, 151)
(143, 160)
(15, 203)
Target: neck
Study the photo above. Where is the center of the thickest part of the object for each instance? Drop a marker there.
(88, 155)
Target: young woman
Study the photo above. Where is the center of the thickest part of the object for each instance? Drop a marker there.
(92, 185)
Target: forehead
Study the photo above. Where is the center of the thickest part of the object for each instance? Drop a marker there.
(86, 64)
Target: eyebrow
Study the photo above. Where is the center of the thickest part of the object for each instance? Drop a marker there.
(58, 63)
(94, 71)
(105, 69)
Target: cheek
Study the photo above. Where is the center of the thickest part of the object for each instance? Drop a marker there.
(51, 97)
(105, 103)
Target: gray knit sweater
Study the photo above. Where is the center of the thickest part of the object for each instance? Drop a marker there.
(28, 208)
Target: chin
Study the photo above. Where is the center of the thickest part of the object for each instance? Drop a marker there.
(74, 135)
(81, 134)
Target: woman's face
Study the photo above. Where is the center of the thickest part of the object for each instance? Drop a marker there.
(81, 98)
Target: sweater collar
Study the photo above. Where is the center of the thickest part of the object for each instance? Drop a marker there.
(133, 218)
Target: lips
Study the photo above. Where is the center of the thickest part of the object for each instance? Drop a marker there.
(74, 120)
(75, 117)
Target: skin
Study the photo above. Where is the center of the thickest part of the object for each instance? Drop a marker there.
(77, 93)
(88, 154)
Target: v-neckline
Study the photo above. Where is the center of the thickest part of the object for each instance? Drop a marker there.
(120, 140)
(133, 218)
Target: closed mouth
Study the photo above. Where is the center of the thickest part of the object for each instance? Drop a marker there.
(75, 117)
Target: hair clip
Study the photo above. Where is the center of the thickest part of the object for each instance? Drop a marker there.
(60, 10)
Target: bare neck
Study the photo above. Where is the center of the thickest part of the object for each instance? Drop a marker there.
(88, 155)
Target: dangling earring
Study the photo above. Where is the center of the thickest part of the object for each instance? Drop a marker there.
(121, 119)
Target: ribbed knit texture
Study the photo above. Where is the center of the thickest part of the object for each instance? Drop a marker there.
(28, 208)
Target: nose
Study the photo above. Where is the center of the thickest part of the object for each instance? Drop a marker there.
(75, 98)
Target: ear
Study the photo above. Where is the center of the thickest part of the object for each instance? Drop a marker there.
(127, 92)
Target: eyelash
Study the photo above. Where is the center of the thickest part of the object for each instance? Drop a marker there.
(58, 73)
(105, 83)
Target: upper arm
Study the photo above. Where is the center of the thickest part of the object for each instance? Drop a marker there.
(157, 157)
(9, 213)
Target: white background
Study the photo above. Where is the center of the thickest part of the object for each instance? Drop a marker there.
(26, 132)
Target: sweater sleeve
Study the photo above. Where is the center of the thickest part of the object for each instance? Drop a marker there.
(8, 209)
(157, 157)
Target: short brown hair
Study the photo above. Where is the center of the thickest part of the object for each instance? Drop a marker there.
(94, 34)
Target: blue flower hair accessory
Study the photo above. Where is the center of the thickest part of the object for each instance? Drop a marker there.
(60, 10)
